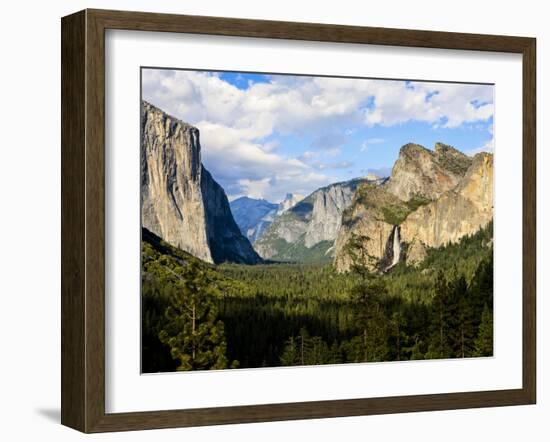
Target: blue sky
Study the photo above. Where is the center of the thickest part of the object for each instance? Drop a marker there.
(267, 135)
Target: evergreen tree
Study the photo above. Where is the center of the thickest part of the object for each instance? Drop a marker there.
(293, 314)
(370, 319)
(398, 335)
(290, 354)
(193, 333)
(362, 263)
(439, 347)
(461, 318)
(415, 350)
(484, 340)
(308, 350)
(366, 294)
(335, 354)
(481, 287)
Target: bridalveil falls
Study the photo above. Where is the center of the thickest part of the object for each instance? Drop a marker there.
(393, 250)
(396, 246)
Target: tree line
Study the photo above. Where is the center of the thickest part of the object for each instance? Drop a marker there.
(200, 316)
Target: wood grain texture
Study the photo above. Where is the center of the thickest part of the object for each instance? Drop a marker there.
(529, 221)
(73, 254)
(83, 220)
(95, 222)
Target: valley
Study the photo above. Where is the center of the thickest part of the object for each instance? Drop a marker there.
(369, 269)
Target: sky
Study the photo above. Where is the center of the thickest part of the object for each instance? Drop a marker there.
(264, 136)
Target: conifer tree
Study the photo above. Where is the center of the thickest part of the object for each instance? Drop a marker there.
(398, 334)
(484, 340)
(290, 352)
(481, 287)
(371, 344)
(439, 345)
(194, 334)
(461, 318)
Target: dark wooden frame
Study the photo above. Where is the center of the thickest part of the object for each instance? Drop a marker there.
(83, 216)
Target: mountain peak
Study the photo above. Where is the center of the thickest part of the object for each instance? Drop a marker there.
(291, 199)
(180, 201)
(434, 197)
(250, 199)
(414, 149)
(148, 108)
(292, 196)
(452, 159)
(427, 173)
(442, 148)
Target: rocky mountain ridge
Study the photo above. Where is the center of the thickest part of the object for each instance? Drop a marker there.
(289, 201)
(420, 171)
(432, 198)
(310, 225)
(460, 211)
(253, 216)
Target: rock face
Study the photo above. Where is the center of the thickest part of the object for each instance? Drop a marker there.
(432, 198)
(180, 201)
(291, 199)
(419, 171)
(416, 253)
(458, 212)
(253, 216)
(312, 224)
(326, 216)
(365, 223)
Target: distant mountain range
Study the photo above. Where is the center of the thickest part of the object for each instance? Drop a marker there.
(432, 197)
(306, 231)
(254, 216)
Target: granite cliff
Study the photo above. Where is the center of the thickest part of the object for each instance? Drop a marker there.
(460, 211)
(307, 230)
(180, 201)
(432, 198)
(420, 171)
(254, 216)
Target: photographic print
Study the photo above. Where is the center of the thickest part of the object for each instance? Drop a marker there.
(292, 220)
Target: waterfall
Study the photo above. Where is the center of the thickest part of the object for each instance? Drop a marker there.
(396, 246)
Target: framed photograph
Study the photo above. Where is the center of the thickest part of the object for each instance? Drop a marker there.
(267, 221)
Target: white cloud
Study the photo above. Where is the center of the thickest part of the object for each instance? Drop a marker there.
(369, 142)
(274, 189)
(309, 155)
(334, 152)
(254, 188)
(234, 156)
(443, 104)
(489, 147)
(239, 128)
(292, 104)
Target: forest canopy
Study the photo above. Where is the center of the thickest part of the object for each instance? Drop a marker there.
(202, 316)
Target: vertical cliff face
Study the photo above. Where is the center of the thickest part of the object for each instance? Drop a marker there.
(366, 222)
(458, 212)
(326, 215)
(180, 201)
(310, 226)
(435, 197)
